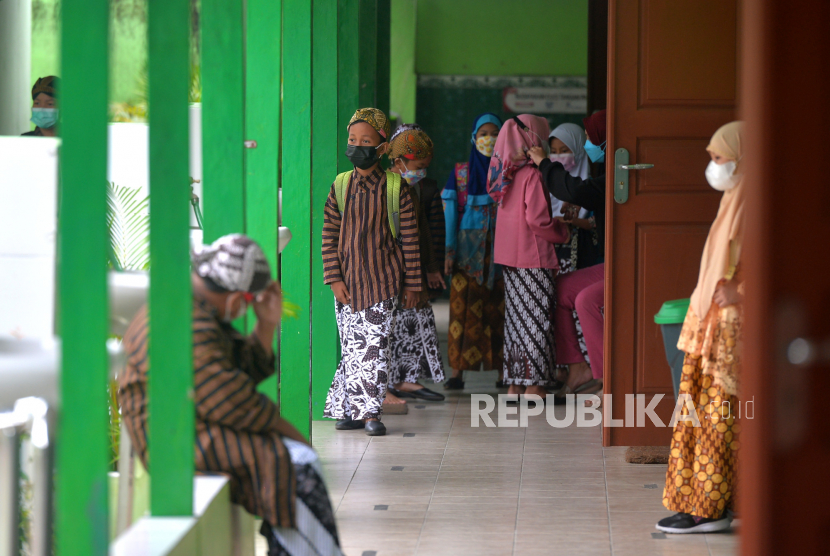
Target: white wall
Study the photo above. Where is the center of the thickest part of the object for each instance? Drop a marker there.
(28, 228)
(129, 157)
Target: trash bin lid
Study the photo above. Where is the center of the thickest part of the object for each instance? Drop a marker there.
(672, 312)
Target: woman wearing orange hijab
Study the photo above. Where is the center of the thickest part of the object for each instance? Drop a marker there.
(700, 480)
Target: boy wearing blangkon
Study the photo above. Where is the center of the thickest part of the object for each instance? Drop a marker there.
(370, 253)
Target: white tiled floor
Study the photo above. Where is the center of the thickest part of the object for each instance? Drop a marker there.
(451, 489)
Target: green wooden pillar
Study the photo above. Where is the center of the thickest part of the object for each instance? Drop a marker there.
(367, 54)
(348, 79)
(83, 448)
(223, 107)
(325, 134)
(263, 38)
(170, 302)
(384, 34)
(295, 355)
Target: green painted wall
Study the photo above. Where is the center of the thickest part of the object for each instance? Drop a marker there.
(502, 37)
(402, 47)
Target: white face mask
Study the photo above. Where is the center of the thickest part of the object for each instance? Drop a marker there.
(721, 176)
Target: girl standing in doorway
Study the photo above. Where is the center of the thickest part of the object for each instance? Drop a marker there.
(700, 480)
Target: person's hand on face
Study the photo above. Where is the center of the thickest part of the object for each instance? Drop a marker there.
(268, 304)
(341, 293)
(537, 155)
(435, 280)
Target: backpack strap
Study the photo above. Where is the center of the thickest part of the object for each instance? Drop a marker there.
(393, 202)
(341, 183)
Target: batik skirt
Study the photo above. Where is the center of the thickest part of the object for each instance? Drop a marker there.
(529, 346)
(316, 531)
(360, 382)
(700, 479)
(415, 351)
(476, 333)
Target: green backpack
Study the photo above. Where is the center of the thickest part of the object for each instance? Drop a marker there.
(393, 197)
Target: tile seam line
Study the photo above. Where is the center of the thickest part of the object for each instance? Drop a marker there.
(432, 494)
(607, 504)
(352, 477)
(519, 497)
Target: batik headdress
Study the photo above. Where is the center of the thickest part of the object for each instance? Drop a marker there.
(410, 141)
(375, 118)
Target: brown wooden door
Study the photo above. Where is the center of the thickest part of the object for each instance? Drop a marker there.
(785, 446)
(672, 82)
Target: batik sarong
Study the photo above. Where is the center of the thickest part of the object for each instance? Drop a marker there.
(316, 531)
(361, 379)
(415, 351)
(476, 333)
(700, 479)
(529, 346)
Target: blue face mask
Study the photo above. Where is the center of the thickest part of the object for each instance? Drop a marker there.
(44, 118)
(414, 176)
(595, 153)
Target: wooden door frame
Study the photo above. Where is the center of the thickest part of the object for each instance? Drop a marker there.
(783, 61)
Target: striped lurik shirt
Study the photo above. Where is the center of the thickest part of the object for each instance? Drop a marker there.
(236, 426)
(358, 247)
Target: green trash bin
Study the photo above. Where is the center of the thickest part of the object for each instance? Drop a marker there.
(670, 318)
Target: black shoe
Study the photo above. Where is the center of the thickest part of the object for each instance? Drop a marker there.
(688, 523)
(427, 394)
(500, 384)
(349, 424)
(454, 383)
(375, 428)
(421, 393)
(399, 393)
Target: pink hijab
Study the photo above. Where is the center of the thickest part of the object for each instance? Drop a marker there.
(516, 137)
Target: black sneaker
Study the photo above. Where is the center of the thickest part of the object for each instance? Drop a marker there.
(454, 383)
(688, 523)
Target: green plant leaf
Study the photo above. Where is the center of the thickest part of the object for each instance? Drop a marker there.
(128, 223)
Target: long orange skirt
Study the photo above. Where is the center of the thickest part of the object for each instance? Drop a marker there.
(701, 478)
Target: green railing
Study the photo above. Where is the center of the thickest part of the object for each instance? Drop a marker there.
(288, 75)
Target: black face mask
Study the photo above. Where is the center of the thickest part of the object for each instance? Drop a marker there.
(362, 157)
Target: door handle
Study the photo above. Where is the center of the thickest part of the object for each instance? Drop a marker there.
(621, 168)
(636, 166)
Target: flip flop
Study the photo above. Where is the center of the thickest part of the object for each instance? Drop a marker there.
(588, 385)
(395, 408)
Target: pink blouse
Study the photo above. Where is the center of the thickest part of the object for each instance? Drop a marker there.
(525, 229)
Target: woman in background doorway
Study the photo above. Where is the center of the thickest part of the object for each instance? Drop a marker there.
(700, 480)
(476, 333)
